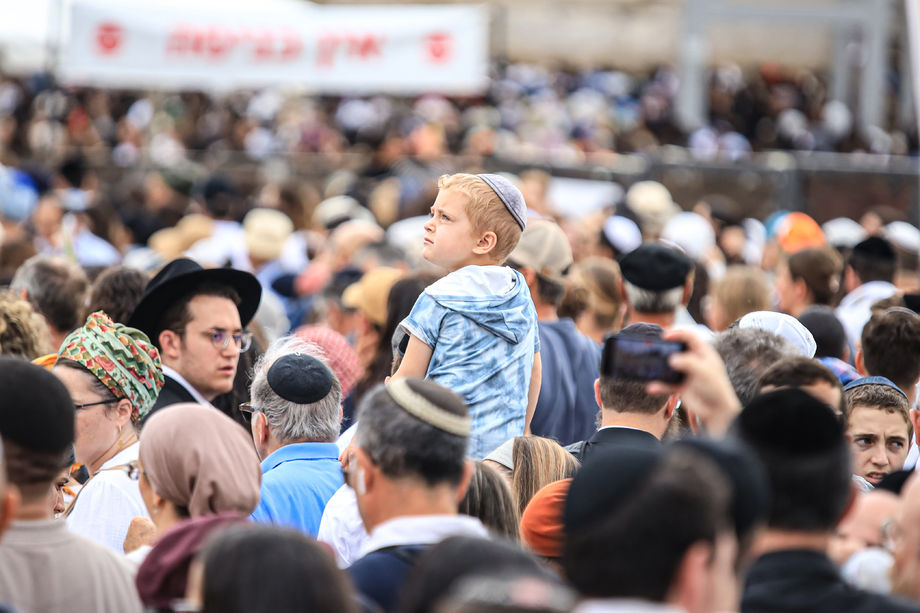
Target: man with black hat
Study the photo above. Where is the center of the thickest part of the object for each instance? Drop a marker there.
(657, 283)
(44, 566)
(808, 468)
(566, 409)
(197, 320)
(868, 278)
(296, 409)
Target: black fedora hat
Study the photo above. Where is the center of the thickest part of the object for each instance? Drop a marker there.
(179, 278)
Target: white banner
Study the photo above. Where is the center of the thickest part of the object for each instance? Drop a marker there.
(204, 44)
(912, 8)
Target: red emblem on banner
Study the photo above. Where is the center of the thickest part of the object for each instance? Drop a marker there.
(109, 38)
(439, 47)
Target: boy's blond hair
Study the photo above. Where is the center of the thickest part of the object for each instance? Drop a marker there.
(486, 211)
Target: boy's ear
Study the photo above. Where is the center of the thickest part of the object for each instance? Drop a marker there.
(486, 243)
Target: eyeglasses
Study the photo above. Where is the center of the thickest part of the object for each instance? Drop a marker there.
(247, 410)
(132, 469)
(92, 404)
(221, 339)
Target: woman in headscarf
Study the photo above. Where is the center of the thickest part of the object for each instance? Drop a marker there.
(199, 472)
(113, 374)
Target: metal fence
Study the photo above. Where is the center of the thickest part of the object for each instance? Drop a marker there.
(824, 185)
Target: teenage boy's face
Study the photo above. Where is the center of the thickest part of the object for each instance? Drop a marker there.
(878, 442)
(449, 239)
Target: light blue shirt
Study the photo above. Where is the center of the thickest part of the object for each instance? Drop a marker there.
(481, 325)
(297, 482)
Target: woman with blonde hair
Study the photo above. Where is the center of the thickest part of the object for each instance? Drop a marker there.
(538, 462)
(742, 290)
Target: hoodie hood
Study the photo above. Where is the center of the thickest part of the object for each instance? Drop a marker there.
(491, 296)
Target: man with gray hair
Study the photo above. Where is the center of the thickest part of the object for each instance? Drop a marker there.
(409, 472)
(295, 415)
(657, 283)
(748, 353)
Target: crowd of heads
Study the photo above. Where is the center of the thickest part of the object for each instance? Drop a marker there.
(209, 333)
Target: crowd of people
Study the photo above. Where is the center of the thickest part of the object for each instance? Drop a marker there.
(408, 389)
(529, 112)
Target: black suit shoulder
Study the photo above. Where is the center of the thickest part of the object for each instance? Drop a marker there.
(612, 437)
(172, 393)
(802, 581)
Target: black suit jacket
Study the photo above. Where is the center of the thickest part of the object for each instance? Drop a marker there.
(612, 437)
(804, 581)
(172, 393)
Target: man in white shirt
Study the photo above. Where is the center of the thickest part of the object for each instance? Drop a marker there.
(409, 472)
(868, 278)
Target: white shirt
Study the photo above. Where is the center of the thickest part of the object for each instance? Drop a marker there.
(422, 530)
(108, 502)
(856, 307)
(171, 372)
(342, 527)
(624, 605)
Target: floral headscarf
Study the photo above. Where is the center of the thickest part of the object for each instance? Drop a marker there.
(122, 358)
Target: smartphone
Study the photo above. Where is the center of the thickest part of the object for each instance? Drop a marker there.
(640, 358)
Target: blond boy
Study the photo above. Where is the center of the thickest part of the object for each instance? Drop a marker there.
(475, 330)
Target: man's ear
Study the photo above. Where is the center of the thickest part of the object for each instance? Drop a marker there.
(468, 469)
(261, 428)
(530, 276)
(486, 243)
(9, 507)
(690, 579)
(366, 471)
(858, 362)
(170, 344)
(688, 289)
(597, 393)
(915, 421)
(670, 406)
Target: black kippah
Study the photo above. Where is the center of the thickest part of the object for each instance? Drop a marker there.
(875, 248)
(655, 267)
(792, 422)
(36, 412)
(300, 378)
(606, 482)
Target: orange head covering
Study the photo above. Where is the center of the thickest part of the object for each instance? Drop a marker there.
(798, 231)
(541, 523)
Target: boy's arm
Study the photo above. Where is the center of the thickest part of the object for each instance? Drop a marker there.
(415, 362)
(536, 380)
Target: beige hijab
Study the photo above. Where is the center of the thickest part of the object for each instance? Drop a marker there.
(197, 457)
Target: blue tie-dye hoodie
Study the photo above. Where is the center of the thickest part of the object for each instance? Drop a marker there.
(481, 325)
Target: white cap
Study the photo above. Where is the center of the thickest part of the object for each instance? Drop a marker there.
(843, 232)
(692, 233)
(903, 236)
(622, 233)
(783, 325)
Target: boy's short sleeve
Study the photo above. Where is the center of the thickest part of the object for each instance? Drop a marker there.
(424, 321)
(536, 342)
